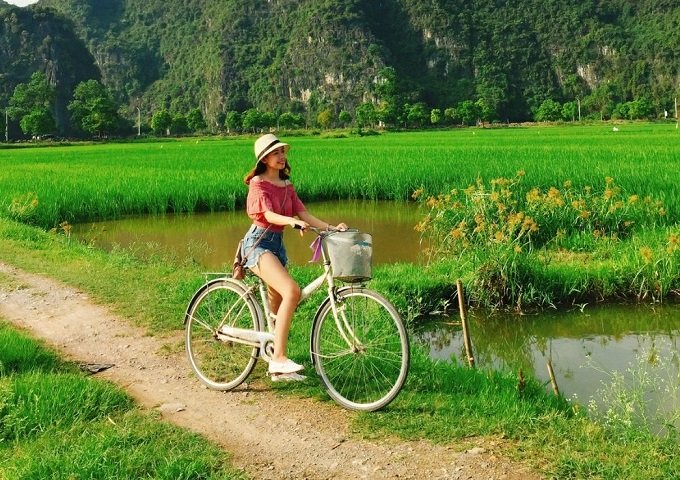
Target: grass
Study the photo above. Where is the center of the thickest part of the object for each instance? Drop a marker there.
(441, 402)
(57, 423)
(48, 186)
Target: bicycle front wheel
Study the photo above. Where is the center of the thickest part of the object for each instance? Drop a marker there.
(363, 358)
(219, 364)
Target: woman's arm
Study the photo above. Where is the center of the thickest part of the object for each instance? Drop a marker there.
(278, 219)
(310, 219)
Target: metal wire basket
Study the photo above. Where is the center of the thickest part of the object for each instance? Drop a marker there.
(350, 253)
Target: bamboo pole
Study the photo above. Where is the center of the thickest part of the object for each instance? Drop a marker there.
(553, 381)
(466, 331)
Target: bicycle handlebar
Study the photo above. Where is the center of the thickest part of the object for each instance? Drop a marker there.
(321, 231)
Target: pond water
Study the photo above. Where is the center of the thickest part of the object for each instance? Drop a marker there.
(211, 238)
(586, 347)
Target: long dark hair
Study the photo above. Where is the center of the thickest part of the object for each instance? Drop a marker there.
(260, 168)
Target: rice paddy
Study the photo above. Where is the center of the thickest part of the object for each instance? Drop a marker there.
(48, 186)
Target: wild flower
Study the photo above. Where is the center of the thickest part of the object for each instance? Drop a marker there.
(23, 207)
(500, 222)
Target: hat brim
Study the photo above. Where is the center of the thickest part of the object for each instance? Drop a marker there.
(271, 148)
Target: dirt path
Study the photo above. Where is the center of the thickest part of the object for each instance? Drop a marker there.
(270, 437)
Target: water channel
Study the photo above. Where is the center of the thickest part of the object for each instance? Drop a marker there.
(586, 346)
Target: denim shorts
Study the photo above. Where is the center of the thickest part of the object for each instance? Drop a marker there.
(271, 242)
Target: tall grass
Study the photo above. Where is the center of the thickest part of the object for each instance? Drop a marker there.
(510, 235)
(46, 186)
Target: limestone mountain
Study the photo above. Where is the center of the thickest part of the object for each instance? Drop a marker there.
(307, 55)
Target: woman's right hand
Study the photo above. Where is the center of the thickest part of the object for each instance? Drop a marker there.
(299, 224)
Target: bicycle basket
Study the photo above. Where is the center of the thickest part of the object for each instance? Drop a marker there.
(350, 254)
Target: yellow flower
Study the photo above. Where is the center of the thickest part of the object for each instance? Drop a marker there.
(457, 233)
(417, 193)
(647, 254)
(633, 199)
(518, 249)
(567, 184)
(534, 195)
(608, 180)
(673, 243)
(521, 173)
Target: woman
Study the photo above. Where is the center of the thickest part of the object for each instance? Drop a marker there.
(272, 204)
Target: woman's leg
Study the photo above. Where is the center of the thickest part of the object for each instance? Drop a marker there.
(275, 275)
(274, 300)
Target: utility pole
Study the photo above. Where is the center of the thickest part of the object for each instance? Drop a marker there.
(677, 120)
(139, 122)
(7, 125)
(578, 102)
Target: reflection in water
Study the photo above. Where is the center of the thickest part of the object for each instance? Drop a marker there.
(585, 348)
(211, 238)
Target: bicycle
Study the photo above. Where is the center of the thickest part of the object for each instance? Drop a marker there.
(358, 345)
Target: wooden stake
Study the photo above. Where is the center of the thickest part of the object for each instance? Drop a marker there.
(466, 331)
(553, 382)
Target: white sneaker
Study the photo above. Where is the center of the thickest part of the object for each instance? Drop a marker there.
(288, 366)
(288, 377)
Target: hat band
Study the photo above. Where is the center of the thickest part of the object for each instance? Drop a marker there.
(264, 150)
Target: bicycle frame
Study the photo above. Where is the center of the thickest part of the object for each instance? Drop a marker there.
(340, 320)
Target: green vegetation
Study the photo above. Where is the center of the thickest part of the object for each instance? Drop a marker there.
(397, 61)
(50, 187)
(57, 423)
(624, 248)
(512, 238)
(441, 402)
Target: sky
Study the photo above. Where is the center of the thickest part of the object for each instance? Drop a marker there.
(21, 3)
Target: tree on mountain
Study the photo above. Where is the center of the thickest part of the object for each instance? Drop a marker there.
(467, 112)
(365, 115)
(416, 114)
(549, 111)
(344, 117)
(94, 109)
(252, 119)
(179, 124)
(161, 122)
(233, 121)
(325, 118)
(32, 104)
(195, 120)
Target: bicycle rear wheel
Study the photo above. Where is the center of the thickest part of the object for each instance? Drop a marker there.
(221, 365)
(364, 363)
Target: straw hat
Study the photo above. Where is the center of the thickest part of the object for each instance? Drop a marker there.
(266, 144)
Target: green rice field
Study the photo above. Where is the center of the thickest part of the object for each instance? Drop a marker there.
(75, 183)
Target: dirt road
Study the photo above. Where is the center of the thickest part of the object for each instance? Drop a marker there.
(270, 437)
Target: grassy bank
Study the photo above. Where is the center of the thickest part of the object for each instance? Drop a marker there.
(57, 423)
(441, 402)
